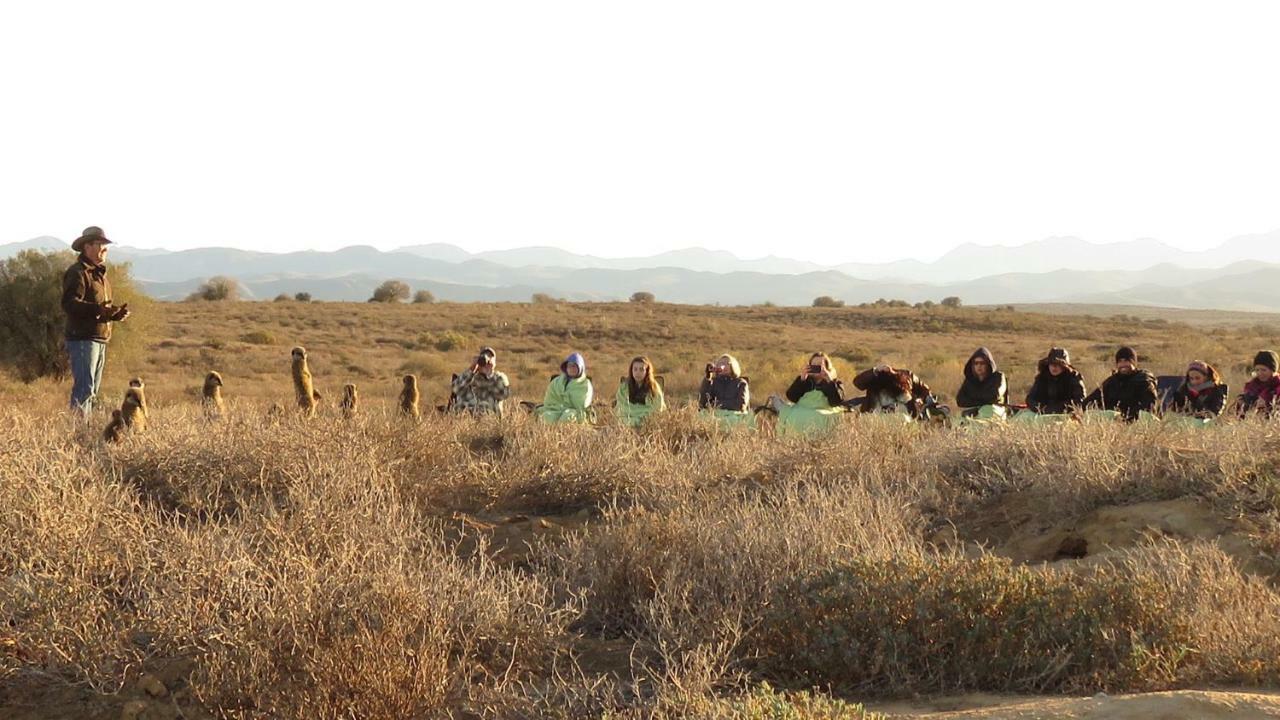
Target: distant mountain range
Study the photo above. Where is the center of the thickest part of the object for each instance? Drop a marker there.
(1241, 274)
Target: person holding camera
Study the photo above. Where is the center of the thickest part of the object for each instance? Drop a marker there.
(813, 401)
(481, 388)
(86, 299)
(723, 387)
(893, 390)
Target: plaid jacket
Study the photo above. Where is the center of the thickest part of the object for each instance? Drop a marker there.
(480, 394)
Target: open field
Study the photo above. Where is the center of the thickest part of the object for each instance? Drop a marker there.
(373, 344)
(268, 566)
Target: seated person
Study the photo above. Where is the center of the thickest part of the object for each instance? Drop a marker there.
(639, 394)
(983, 385)
(1128, 391)
(1262, 391)
(569, 394)
(890, 390)
(813, 401)
(481, 389)
(1201, 393)
(723, 388)
(1058, 388)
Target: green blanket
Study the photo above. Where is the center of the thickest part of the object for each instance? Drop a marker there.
(810, 414)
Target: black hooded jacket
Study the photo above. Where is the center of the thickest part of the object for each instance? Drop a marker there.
(1126, 393)
(975, 393)
(1056, 394)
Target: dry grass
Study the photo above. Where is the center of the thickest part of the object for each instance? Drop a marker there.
(499, 568)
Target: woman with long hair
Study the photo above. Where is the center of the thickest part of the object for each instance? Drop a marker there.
(815, 399)
(639, 394)
(1202, 393)
(893, 390)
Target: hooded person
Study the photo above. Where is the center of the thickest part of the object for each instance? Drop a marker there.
(1262, 392)
(984, 385)
(1058, 387)
(1129, 390)
(569, 394)
(639, 394)
(1201, 394)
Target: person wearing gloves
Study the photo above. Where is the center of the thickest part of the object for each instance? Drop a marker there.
(639, 394)
(1058, 387)
(1262, 392)
(569, 394)
(984, 391)
(815, 400)
(1129, 391)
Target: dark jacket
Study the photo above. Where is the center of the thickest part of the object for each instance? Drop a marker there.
(1126, 393)
(884, 385)
(1260, 396)
(975, 393)
(1207, 402)
(1053, 395)
(832, 389)
(724, 392)
(86, 299)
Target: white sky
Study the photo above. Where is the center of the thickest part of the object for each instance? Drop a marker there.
(822, 130)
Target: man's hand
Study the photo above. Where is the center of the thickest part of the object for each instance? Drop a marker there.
(121, 313)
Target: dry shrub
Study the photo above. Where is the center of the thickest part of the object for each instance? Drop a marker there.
(327, 597)
(950, 624)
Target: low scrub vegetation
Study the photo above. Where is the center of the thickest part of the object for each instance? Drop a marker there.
(382, 568)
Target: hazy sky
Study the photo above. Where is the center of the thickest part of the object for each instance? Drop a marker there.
(821, 130)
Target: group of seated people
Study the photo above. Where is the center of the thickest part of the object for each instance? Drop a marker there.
(817, 395)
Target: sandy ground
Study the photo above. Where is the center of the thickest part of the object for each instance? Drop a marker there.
(1179, 705)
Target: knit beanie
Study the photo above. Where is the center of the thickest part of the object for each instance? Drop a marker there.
(1266, 358)
(1127, 353)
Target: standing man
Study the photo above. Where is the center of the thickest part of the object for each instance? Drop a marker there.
(86, 299)
(481, 389)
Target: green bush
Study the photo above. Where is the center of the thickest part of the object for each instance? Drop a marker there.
(258, 337)
(33, 325)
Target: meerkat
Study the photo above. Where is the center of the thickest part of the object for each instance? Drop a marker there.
(409, 397)
(115, 429)
(350, 401)
(211, 396)
(134, 407)
(302, 386)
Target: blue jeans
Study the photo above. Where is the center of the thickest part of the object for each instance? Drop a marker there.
(88, 357)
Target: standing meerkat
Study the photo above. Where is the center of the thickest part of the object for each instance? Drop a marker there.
(409, 397)
(134, 408)
(350, 401)
(115, 429)
(302, 386)
(211, 396)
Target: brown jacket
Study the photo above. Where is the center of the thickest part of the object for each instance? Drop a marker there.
(86, 298)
